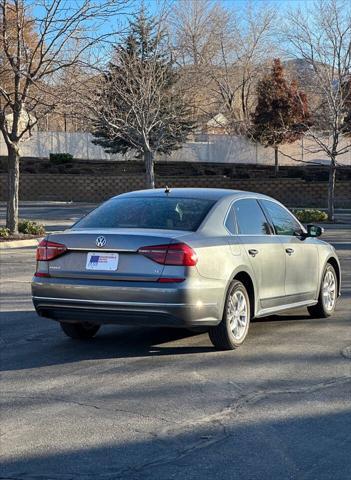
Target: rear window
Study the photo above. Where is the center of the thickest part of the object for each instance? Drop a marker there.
(148, 212)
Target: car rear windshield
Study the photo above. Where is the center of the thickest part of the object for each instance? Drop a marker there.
(148, 212)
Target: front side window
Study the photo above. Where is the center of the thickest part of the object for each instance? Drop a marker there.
(148, 212)
(250, 218)
(284, 223)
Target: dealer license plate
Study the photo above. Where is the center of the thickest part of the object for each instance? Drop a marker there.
(101, 261)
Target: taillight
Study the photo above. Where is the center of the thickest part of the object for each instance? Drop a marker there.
(49, 250)
(173, 254)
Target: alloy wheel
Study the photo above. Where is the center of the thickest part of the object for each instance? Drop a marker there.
(329, 290)
(237, 312)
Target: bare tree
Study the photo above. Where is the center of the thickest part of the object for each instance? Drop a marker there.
(321, 36)
(223, 51)
(195, 28)
(39, 40)
(245, 51)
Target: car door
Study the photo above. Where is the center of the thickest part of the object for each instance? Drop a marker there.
(301, 253)
(263, 251)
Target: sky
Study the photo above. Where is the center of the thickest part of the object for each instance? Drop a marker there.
(118, 22)
(154, 5)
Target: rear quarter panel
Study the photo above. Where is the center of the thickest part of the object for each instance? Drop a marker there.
(218, 265)
(326, 253)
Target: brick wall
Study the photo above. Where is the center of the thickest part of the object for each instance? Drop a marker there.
(88, 188)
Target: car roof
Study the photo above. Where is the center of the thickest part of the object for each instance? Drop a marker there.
(201, 193)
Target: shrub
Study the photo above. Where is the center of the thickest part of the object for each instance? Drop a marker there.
(58, 158)
(308, 215)
(4, 232)
(31, 228)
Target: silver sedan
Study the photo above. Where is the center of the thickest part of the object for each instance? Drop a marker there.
(199, 258)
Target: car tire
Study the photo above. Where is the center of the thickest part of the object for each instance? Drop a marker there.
(328, 291)
(80, 331)
(233, 329)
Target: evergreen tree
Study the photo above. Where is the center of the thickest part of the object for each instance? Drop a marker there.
(281, 113)
(140, 108)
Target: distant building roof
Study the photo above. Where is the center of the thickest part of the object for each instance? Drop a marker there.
(218, 120)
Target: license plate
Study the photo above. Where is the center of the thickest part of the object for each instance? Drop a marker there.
(104, 262)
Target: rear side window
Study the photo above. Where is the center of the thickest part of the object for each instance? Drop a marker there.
(284, 223)
(148, 212)
(230, 222)
(250, 218)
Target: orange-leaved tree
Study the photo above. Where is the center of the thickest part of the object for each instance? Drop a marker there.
(281, 114)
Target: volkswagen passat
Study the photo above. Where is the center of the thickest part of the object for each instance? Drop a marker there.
(186, 257)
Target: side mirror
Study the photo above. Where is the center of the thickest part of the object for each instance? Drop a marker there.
(314, 231)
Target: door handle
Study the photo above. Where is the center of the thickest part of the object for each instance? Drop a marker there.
(253, 252)
(290, 251)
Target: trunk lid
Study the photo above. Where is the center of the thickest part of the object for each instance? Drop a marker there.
(119, 246)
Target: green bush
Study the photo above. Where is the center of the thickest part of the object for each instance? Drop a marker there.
(4, 232)
(59, 158)
(308, 215)
(31, 228)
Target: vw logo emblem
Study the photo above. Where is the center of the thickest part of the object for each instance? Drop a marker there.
(100, 241)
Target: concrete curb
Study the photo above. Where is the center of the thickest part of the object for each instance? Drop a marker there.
(32, 242)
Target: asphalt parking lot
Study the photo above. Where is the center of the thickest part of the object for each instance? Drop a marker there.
(139, 403)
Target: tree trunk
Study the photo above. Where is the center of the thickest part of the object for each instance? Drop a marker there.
(149, 167)
(276, 162)
(12, 188)
(331, 189)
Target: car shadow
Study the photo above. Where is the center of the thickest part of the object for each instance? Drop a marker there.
(42, 342)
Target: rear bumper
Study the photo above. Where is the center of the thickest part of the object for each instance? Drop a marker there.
(131, 305)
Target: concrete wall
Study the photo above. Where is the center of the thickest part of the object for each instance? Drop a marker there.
(88, 188)
(213, 148)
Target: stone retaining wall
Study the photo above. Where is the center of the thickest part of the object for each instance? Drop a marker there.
(89, 188)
